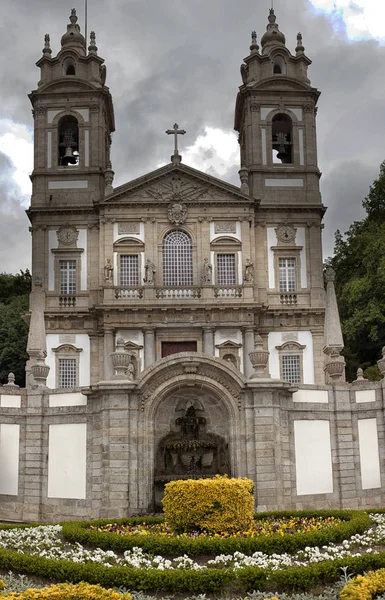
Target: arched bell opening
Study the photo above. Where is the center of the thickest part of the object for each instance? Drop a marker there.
(68, 150)
(69, 67)
(192, 439)
(279, 66)
(282, 139)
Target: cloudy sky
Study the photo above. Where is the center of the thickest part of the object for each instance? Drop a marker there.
(178, 60)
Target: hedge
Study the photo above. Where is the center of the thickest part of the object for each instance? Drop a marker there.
(353, 522)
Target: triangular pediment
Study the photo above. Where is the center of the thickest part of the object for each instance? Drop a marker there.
(177, 183)
(228, 344)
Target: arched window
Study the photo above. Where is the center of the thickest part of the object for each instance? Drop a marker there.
(279, 65)
(282, 139)
(69, 67)
(177, 259)
(68, 150)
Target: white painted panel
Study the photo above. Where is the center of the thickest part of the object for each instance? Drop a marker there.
(49, 149)
(236, 235)
(70, 399)
(136, 236)
(271, 242)
(222, 335)
(9, 459)
(313, 457)
(8, 401)
(51, 114)
(69, 184)
(83, 342)
(274, 339)
(305, 338)
(301, 241)
(67, 465)
(52, 341)
(214, 266)
(240, 268)
(84, 112)
(301, 148)
(369, 456)
(142, 268)
(296, 111)
(365, 396)
(82, 243)
(265, 110)
(137, 337)
(316, 396)
(115, 260)
(284, 182)
(86, 147)
(52, 243)
(264, 147)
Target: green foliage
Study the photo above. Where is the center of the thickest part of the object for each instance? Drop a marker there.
(353, 522)
(359, 263)
(14, 294)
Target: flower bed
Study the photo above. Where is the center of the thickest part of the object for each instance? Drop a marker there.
(42, 551)
(67, 591)
(348, 524)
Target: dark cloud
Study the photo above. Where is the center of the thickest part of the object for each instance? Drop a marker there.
(178, 60)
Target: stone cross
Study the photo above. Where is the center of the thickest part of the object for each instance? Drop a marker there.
(176, 158)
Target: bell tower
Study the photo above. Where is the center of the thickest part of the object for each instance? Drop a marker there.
(74, 119)
(275, 116)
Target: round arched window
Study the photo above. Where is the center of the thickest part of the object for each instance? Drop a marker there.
(177, 259)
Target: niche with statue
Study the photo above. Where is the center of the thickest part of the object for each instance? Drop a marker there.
(190, 451)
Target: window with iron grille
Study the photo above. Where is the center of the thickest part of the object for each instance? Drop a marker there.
(226, 269)
(129, 269)
(68, 277)
(287, 275)
(291, 368)
(177, 259)
(67, 372)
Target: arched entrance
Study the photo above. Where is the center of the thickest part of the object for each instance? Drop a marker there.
(197, 443)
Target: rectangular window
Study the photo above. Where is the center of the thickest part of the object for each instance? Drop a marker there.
(67, 372)
(291, 368)
(68, 277)
(129, 270)
(287, 275)
(226, 269)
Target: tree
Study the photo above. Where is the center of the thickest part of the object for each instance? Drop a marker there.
(359, 263)
(14, 294)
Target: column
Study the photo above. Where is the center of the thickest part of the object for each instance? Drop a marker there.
(248, 346)
(149, 347)
(108, 348)
(208, 341)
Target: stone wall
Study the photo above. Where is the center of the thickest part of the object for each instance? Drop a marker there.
(91, 452)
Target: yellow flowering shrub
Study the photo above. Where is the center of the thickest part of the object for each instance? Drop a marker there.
(2, 585)
(214, 505)
(67, 591)
(364, 587)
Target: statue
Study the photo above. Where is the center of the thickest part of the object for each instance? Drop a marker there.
(150, 272)
(207, 271)
(130, 372)
(249, 271)
(108, 271)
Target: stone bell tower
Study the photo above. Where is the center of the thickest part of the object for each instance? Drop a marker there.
(74, 119)
(276, 120)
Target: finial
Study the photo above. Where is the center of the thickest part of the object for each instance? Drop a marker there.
(254, 44)
(73, 17)
(300, 48)
(92, 48)
(272, 17)
(11, 381)
(47, 47)
(330, 274)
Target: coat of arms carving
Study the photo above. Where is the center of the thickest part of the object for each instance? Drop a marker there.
(177, 213)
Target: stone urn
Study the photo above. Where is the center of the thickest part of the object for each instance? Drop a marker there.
(120, 360)
(259, 359)
(336, 367)
(381, 363)
(40, 374)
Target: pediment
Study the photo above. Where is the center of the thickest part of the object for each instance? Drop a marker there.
(281, 83)
(228, 345)
(177, 184)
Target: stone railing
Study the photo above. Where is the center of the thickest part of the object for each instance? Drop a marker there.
(128, 293)
(178, 293)
(234, 291)
(288, 299)
(67, 301)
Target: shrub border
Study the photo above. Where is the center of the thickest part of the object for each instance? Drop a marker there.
(353, 522)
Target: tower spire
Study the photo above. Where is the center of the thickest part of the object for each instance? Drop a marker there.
(273, 35)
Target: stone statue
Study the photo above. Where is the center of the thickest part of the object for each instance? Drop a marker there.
(150, 272)
(130, 372)
(207, 271)
(109, 271)
(249, 271)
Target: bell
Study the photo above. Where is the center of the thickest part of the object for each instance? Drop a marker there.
(68, 158)
(282, 153)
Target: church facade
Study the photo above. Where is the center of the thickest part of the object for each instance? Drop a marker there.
(179, 325)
